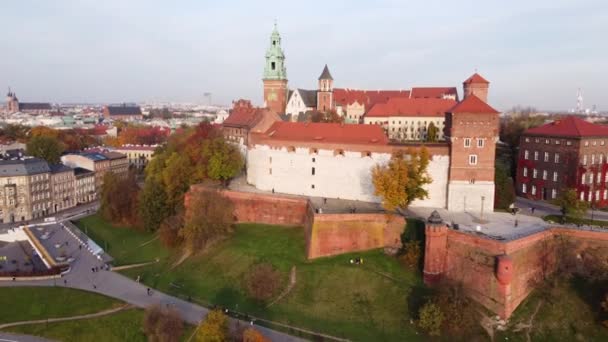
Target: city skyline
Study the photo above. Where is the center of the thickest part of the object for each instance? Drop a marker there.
(143, 51)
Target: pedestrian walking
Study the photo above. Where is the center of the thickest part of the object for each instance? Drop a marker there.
(65, 282)
(80, 247)
(148, 291)
(94, 286)
(93, 269)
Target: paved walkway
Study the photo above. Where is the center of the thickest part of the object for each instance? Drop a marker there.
(544, 209)
(72, 213)
(63, 319)
(115, 285)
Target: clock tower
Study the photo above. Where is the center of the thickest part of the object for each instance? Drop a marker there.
(275, 75)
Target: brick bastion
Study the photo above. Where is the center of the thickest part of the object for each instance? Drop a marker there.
(326, 234)
(498, 274)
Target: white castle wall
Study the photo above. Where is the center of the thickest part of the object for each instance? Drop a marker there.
(464, 196)
(336, 176)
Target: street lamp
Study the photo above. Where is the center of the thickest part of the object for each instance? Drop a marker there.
(483, 198)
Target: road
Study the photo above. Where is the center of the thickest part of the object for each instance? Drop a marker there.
(115, 285)
(72, 213)
(544, 208)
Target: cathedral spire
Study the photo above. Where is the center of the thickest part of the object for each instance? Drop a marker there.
(275, 58)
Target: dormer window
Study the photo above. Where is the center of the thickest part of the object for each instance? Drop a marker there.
(273, 65)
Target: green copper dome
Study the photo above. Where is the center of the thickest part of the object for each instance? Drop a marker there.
(275, 58)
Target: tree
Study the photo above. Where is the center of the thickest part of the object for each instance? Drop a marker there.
(252, 335)
(432, 133)
(224, 160)
(570, 205)
(504, 195)
(431, 318)
(411, 254)
(177, 178)
(209, 216)
(263, 281)
(47, 148)
(214, 328)
(169, 230)
(402, 180)
(119, 199)
(153, 207)
(162, 325)
(326, 117)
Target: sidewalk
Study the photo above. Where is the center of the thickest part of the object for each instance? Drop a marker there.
(542, 208)
(59, 216)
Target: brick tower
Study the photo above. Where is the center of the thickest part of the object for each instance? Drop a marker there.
(12, 103)
(472, 130)
(325, 93)
(476, 85)
(275, 75)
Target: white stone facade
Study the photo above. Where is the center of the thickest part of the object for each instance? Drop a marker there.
(296, 105)
(465, 196)
(404, 128)
(324, 173)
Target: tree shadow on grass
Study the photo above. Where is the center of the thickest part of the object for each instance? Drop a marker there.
(417, 297)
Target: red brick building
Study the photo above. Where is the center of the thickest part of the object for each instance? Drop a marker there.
(569, 153)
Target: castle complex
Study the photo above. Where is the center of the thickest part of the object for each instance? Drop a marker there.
(335, 160)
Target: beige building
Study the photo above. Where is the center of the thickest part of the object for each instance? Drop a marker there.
(62, 186)
(84, 186)
(99, 163)
(25, 189)
(138, 156)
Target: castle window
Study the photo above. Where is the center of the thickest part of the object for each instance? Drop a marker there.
(274, 43)
(534, 173)
(535, 155)
(270, 171)
(527, 139)
(291, 149)
(526, 155)
(586, 143)
(544, 174)
(594, 143)
(568, 143)
(592, 159)
(605, 194)
(546, 156)
(313, 171)
(533, 190)
(270, 160)
(525, 172)
(583, 178)
(524, 188)
(553, 193)
(472, 159)
(314, 151)
(312, 186)
(589, 196)
(339, 153)
(582, 195)
(314, 160)
(585, 159)
(480, 142)
(555, 176)
(547, 141)
(366, 154)
(467, 142)
(556, 159)
(557, 142)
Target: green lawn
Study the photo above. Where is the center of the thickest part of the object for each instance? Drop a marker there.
(122, 326)
(365, 303)
(125, 245)
(32, 303)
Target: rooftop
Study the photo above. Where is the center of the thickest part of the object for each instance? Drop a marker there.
(57, 168)
(473, 105)
(23, 166)
(570, 126)
(123, 109)
(431, 107)
(327, 133)
(433, 92)
(476, 78)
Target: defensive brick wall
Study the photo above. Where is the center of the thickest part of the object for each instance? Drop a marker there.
(326, 234)
(499, 275)
(333, 234)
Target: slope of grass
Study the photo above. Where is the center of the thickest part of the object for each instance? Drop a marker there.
(125, 245)
(33, 303)
(366, 302)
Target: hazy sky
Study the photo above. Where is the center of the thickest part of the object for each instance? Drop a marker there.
(534, 52)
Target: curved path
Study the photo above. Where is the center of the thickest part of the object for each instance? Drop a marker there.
(116, 285)
(6, 337)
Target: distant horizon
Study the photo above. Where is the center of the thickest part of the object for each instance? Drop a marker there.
(100, 52)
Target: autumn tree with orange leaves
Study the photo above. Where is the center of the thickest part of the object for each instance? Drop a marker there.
(402, 179)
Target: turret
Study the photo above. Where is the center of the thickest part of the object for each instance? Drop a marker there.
(275, 75)
(476, 85)
(325, 92)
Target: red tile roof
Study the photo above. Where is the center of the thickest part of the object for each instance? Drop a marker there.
(411, 107)
(476, 78)
(433, 92)
(570, 126)
(474, 105)
(368, 98)
(327, 133)
(242, 114)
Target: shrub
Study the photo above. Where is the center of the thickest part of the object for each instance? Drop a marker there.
(411, 255)
(252, 335)
(162, 325)
(262, 282)
(214, 328)
(431, 318)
